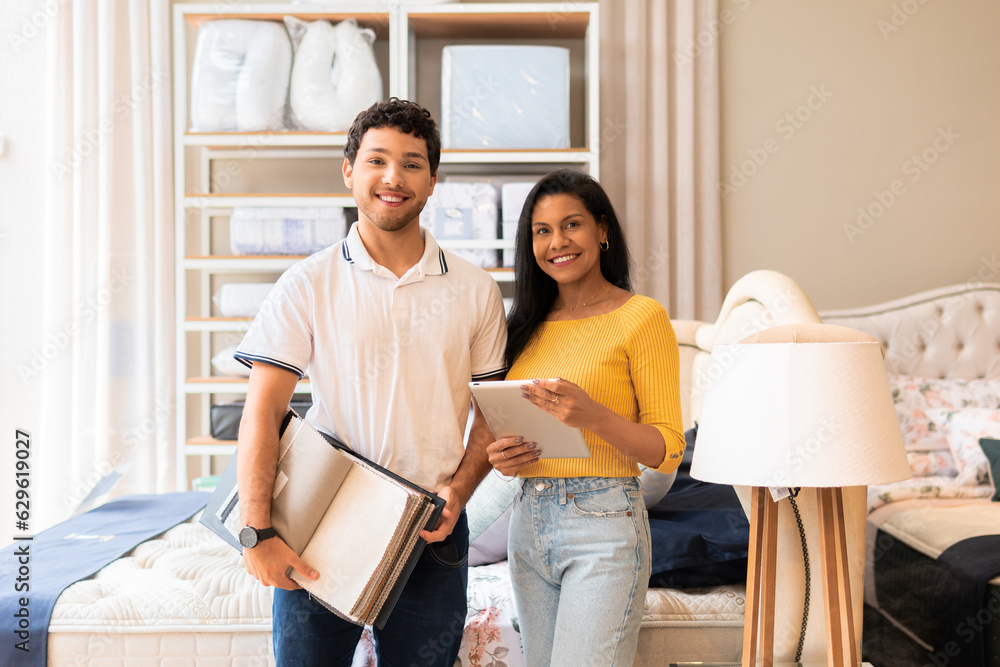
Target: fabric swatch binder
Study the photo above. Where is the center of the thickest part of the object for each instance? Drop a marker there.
(355, 522)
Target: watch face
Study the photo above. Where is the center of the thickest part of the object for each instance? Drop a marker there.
(248, 537)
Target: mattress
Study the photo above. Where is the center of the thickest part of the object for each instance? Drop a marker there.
(902, 564)
(187, 595)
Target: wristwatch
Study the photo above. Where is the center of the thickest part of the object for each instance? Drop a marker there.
(251, 537)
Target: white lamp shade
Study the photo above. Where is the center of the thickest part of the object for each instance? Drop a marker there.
(780, 412)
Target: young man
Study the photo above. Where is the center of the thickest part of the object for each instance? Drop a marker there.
(391, 329)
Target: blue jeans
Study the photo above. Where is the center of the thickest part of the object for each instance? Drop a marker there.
(424, 628)
(579, 552)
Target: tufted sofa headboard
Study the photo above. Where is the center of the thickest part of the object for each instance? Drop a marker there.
(757, 301)
(949, 332)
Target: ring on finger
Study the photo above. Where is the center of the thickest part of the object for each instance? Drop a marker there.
(503, 453)
(555, 400)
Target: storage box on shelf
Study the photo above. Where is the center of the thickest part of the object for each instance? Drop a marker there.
(218, 171)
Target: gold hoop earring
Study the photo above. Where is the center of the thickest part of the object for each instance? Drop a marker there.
(605, 245)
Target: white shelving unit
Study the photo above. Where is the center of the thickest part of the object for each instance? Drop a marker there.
(407, 45)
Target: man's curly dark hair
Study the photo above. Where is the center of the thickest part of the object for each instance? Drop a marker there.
(408, 117)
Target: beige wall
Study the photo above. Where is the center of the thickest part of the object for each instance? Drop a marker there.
(888, 81)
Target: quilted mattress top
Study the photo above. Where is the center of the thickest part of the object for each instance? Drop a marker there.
(188, 579)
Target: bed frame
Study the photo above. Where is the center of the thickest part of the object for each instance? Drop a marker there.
(949, 330)
(947, 333)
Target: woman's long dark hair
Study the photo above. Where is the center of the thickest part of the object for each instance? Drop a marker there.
(534, 290)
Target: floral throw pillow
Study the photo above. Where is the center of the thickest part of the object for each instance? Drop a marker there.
(915, 398)
(964, 429)
(935, 463)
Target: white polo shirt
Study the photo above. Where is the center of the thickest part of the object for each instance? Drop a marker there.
(389, 358)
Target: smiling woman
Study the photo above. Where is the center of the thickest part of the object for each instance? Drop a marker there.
(615, 361)
(567, 243)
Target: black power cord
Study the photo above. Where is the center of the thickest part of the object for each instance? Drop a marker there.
(805, 560)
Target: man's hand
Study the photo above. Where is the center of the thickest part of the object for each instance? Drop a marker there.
(269, 561)
(449, 517)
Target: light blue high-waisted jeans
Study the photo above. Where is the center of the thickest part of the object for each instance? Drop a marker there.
(579, 552)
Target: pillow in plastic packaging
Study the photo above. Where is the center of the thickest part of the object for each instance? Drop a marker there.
(285, 231)
(226, 364)
(464, 211)
(239, 78)
(334, 76)
(241, 299)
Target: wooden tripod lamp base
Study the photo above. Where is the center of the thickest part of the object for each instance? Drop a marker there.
(758, 630)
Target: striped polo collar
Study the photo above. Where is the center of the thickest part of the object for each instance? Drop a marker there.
(432, 262)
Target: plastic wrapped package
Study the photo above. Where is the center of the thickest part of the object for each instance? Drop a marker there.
(285, 231)
(509, 232)
(334, 76)
(225, 363)
(464, 211)
(504, 97)
(241, 299)
(239, 77)
(512, 196)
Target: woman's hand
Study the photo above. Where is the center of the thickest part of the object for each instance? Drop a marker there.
(567, 401)
(508, 455)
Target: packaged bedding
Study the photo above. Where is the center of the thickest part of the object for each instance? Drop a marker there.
(334, 76)
(285, 231)
(239, 76)
(464, 212)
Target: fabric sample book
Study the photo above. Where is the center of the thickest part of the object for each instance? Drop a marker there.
(353, 521)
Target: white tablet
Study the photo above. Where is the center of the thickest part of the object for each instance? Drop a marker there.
(509, 414)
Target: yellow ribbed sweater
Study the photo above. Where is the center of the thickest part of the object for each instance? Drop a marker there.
(626, 360)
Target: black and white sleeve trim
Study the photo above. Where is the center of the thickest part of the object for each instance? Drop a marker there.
(489, 374)
(248, 360)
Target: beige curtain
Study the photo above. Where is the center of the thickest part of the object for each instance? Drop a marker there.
(106, 373)
(660, 145)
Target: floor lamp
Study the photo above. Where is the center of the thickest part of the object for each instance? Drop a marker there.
(804, 405)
